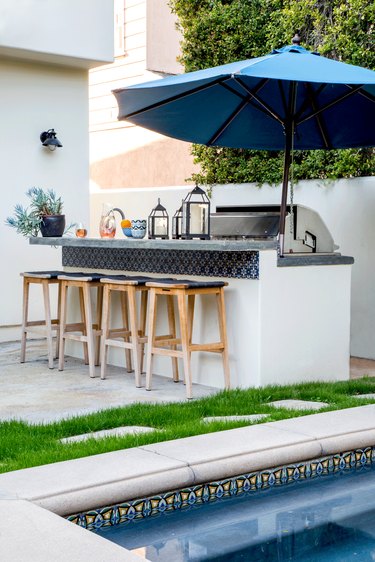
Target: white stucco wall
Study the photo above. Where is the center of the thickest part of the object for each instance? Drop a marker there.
(346, 206)
(348, 209)
(75, 32)
(34, 98)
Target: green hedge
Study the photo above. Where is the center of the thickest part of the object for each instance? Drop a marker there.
(222, 31)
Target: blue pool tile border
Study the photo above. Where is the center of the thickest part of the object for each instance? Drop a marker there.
(126, 512)
(239, 265)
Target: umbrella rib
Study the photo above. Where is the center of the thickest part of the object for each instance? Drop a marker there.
(246, 100)
(269, 111)
(176, 97)
(305, 104)
(366, 95)
(330, 104)
(318, 116)
(226, 123)
(247, 97)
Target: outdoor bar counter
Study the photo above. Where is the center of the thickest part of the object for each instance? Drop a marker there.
(288, 318)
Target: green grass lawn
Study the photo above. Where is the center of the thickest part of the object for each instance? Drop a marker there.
(23, 445)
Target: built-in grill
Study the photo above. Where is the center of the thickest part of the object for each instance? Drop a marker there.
(305, 231)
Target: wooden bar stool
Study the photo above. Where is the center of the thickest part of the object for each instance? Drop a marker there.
(132, 332)
(132, 335)
(51, 326)
(90, 331)
(185, 291)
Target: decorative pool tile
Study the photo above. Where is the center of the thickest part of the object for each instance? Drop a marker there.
(216, 491)
(241, 265)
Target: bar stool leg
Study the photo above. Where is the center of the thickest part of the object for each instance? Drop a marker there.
(185, 342)
(25, 309)
(172, 332)
(151, 336)
(105, 324)
(89, 329)
(58, 321)
(99, 311)
(125, 324)
(64, 290)
(83, 319)
(190, 320)
(223, 335)
(47, 310)
(142, 327)
(134, 335)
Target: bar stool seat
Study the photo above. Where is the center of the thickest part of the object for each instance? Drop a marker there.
(90, 331)
(185, 291)
(131, 336)
(51, 325)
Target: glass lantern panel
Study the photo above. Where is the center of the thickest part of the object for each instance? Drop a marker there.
(198, 218)
(161, 226)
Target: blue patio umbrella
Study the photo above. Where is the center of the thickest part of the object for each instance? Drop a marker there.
(289, 99)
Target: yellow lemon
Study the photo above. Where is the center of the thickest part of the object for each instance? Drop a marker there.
(126, 223)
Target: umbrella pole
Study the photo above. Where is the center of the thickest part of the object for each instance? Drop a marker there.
(284, 193)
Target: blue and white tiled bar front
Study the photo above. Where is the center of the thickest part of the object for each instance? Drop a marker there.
(286, 322)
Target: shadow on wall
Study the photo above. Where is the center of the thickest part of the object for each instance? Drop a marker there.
(163, 163)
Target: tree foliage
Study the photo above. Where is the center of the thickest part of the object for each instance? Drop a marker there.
(222, 31)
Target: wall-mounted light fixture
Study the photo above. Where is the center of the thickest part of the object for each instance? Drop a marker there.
(48, 138)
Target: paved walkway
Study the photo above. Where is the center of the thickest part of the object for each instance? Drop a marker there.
(34, 393)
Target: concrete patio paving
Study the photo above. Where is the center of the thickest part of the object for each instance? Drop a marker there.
(31, 392)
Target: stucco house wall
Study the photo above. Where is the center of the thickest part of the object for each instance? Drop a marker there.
(46, 50)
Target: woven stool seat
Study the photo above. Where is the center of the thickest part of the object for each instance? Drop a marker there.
(42, 274)
(186, 283)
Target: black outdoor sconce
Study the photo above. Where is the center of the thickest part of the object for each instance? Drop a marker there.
(158, 222)
(177, 224)
(196, 215)
(48, 138)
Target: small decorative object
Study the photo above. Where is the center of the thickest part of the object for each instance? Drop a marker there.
(139, 228)
(81, 230)
(126, 226)
(107, 226)
(43, 215)
(177, 224)
(196, 215)
(158, 222)
(49, 139)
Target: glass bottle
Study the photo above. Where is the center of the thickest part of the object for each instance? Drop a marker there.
(107, 226)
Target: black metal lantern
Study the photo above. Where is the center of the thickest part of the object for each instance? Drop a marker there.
(158, 222)
(196, 215)
(177, 224)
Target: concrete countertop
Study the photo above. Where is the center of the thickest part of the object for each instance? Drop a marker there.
(290, 260)
(146, 244)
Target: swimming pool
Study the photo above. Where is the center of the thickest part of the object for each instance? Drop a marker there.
(327, 519)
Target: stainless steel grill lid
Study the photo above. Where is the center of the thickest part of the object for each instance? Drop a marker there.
(305, 230)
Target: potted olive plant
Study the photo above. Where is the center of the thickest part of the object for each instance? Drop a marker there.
(43, 214)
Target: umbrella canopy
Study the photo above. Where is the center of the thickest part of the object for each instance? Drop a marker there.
(291, 98)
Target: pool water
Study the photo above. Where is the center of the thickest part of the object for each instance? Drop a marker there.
(331, 518)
